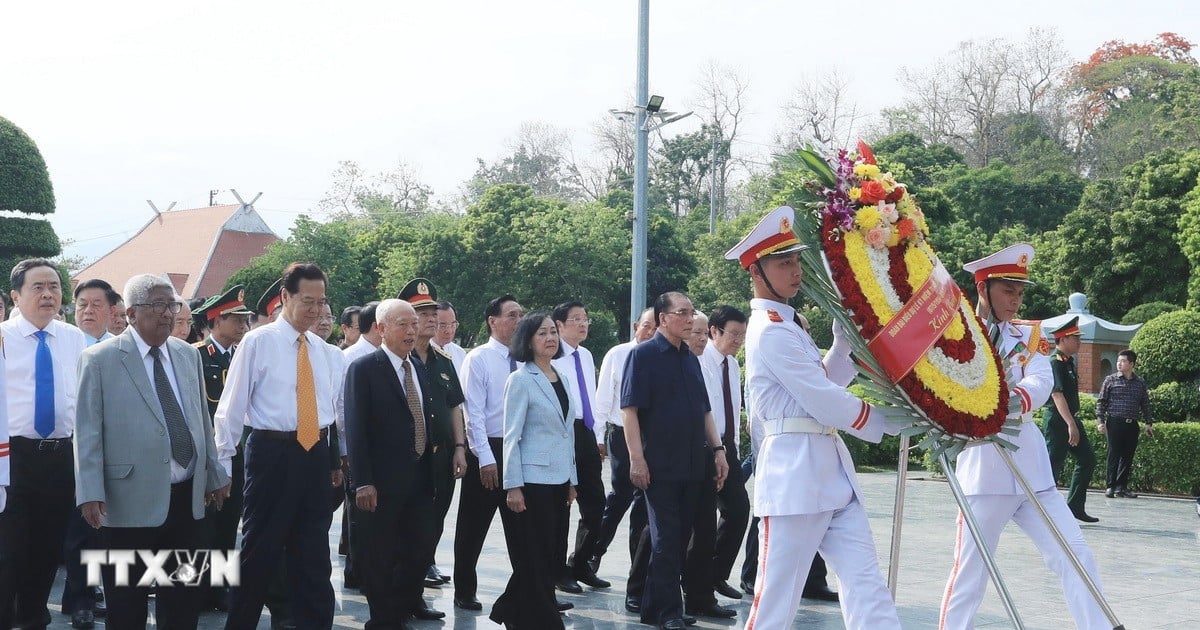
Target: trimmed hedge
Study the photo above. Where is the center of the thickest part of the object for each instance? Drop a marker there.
(24, 181)
(1175, 402)
(1168, 348)
(1143, 313)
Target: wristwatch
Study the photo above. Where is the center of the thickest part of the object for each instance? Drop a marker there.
(718, 448)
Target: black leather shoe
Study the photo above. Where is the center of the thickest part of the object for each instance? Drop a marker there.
(673, 624)
(83, 619)
(433, 579)
(747, 587)
(468, 604)
(633, 604)
(689, 620)
(569, 586)
(441, 576)
(563, 606)
(822, 593)
(1125, 494)
(286, 624)
(726, 590)
(594, 564)
(590, 579)
(712, 610)
(1110, 493)
(1084, 517)
(425, 613)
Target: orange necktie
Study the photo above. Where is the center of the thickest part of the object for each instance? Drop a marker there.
(307, 432)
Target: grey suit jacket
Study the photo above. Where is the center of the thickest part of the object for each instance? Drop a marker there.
(539, 442)
(122, 450)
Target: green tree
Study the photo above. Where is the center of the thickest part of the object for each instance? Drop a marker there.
(925, 160)
(996, 196)
(25, 189)
(1168, 348)
(1143, 313)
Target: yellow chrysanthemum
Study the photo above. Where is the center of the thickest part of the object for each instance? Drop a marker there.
(866, 171)
(868, 218)
(855, 193)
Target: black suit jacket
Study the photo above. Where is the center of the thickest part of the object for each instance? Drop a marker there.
(379, 428)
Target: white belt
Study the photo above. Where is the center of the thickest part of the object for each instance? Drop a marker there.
(779, 426)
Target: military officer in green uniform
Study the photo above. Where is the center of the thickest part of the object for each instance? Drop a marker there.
(1064, 433)
(227, 319)
(443, 406)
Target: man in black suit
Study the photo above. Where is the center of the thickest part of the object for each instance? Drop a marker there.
(389, 462)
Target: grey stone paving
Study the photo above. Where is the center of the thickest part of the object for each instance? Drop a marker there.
(1148, 550)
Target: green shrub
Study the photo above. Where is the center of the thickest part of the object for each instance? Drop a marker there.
(24, 182)
(1168, 348)
(1143, 313)
(1176, 402)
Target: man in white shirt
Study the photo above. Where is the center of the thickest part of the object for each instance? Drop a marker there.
(723, 380)
(289, 466)
(608, 410)
(42, 359)
(94, 301)
(485, 372)
(447, 328)
(370, 334)
(573, 323)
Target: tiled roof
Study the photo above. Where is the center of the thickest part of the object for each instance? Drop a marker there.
(199, 248)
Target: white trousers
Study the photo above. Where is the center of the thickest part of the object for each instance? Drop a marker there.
(969, 577)
(786, 547)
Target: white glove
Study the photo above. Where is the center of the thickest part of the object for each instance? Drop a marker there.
(895, 418)
(3, 497)
(839, 335)
(1015, 407)
(841, 344)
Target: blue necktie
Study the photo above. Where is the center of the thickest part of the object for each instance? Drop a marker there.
(43, 395)
(588, 421)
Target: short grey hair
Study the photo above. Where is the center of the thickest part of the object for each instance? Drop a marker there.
(386, 308)
(138, 288)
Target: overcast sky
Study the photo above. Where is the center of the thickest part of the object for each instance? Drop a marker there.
(131, 101)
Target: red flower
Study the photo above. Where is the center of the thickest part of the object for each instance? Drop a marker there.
(906, 227)
(872, 193)
(895, 195)
(865, 152)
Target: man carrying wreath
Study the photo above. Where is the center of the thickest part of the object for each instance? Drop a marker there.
(992, 491)
(806, 493)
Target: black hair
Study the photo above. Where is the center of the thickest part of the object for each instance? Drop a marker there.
(17, 278)
(445, 305)
(1128, 354)
(110, 295)
(723, 315)
(563, 310)
(348, 314)
(662, 303)
(298, 271)
(521, 346)
(366, 317)
(493, 308)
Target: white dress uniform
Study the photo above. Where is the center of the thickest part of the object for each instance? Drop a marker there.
(994, 494)
(4, 445)
(806, 490)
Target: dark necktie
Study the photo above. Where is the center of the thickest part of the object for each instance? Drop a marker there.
(588, 420)
(181, 439)
(43, 393)
(727, 391)
(512, 364)
(414, 407)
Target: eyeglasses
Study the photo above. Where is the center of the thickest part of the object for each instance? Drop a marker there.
(582, 321)
(737, 335)
(683, 312)
(163, 307)
(447, 325)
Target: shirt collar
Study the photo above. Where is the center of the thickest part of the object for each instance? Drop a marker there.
(713, 355)
(785, 311)
(396, 359)
(27, 328)
(144, 348)
(664, 344)
(218, 346)
(499, 347)
(568, 349)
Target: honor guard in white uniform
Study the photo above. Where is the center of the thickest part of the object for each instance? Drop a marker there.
(806, 493)
(993, 493)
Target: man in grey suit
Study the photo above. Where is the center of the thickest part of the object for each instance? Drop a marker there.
(145, 459)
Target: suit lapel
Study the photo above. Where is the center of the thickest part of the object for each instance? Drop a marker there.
(184, 368)
(137, 371)
(392, 377)
(547, 388)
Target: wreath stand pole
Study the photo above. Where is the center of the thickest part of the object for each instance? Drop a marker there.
(898, 516)
(1062, 541)
(980, 544)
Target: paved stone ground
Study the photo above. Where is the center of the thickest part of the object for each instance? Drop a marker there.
(1148, 550)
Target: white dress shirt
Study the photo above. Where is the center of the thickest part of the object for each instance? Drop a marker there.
(178, 473)
(360, 348)
(607, 404)
(710, 365)
(20, 348)
(485, 371)
(398, 366)
(566, 363)
(260, 390)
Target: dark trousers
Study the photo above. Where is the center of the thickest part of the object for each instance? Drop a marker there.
(222, 524)
(349, 520)
(175, 606)
(1122, 442)
(528, 602)
(671, 507)
(286, 507)
(622, 496)
(442, 498)
(590, 499)
(77, 595)
(41, 497)
(734, 505)
(698, 567)
(1085, 460)
(476, 508)
(393, 543)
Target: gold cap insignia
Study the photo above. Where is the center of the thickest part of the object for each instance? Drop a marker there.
(785, 225)
(423, 288)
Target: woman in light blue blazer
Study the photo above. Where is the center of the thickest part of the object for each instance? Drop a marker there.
(539, 475)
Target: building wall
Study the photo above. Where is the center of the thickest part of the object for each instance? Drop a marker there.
(1094, 362)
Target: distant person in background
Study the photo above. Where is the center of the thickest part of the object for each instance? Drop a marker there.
(119, 321)
(1064, 433)
(697, 341)
(447, 329)
(349, 325)
(199, 323)
(181, 323)
(1123, 399)
(94, 301)
(323, 327)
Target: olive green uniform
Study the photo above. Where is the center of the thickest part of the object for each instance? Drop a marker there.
(1066, 381)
